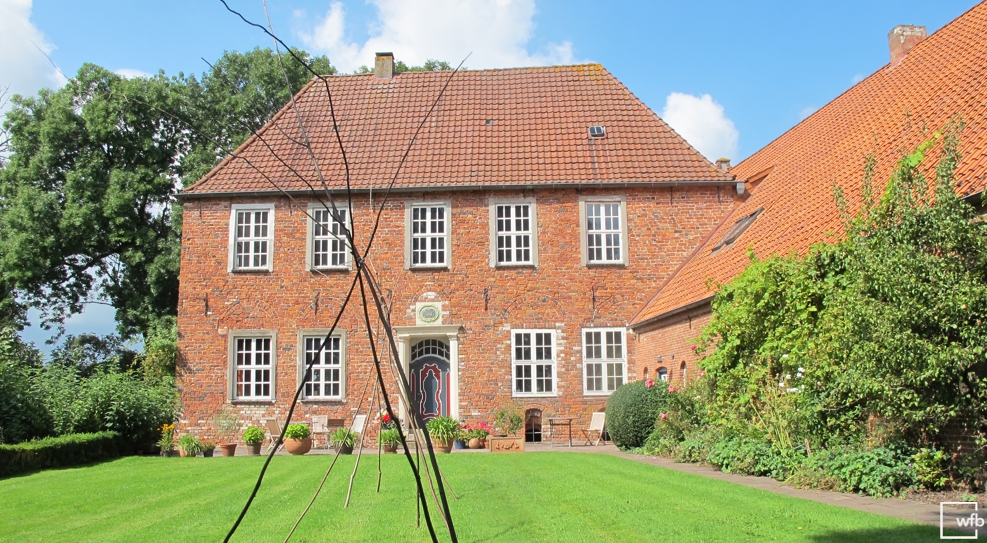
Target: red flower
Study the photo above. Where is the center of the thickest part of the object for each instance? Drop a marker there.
(649, 383)
(386, 418)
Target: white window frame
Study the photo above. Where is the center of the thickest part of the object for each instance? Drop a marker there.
(584, 231)
(534, 362)
(532, 232)
(409, 236)
(235, 209)
(232, 377)
(320, 334)
(604, 362)
(310, 238)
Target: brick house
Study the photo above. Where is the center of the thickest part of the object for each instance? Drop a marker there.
(788, 202)
(532, 218)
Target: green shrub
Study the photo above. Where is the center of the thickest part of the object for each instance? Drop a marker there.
(297, 431)
(752, 456)
(190, 445)
(390, 436)
(343, 437)
(632, 410)
(931, 468)
(253, 434)
(22, 412)
(55, 452)
(881, 472)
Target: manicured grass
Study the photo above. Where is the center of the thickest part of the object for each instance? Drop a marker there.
(526, 497)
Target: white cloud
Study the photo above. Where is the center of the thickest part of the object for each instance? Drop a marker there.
(702, 123)
(497, 33)
(23, 65)
(806, 111)
(857, 79)
(130, 73)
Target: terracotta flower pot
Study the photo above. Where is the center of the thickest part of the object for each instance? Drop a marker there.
(298, 446)
(253, 449)
(229, 449)
(474, 443)
(442, 447)
(183, 454)
(390, 449)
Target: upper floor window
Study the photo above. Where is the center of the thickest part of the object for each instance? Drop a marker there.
(604, 232)
(533, 362)
(327, 378)
(251, 237)
(604, 360)
(513, 239)
(428, 235)
(252, 365)
(327, 237)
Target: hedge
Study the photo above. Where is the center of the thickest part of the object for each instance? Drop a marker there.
(56, 452)
(632, 410)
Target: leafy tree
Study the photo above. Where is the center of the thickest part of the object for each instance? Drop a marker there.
(878, 337)
(87, 201)
(87, 353)
(431, 65)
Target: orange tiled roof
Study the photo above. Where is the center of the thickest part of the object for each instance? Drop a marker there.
(885, 115)
(523, 126)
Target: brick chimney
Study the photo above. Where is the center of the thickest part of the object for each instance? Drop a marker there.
(902, 39)
(384, 66)
(723, 164)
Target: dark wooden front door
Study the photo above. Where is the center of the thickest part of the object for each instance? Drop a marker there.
(430, 379)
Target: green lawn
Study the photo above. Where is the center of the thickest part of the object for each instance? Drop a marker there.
(526, 497)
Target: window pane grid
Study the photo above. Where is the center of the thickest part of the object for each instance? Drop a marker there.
(603, 359)
(534, 362)
(513, 234)
(253, 368)
(428, 235)
(252, 241)
(603, 232)
(326, 381)
(328, 239)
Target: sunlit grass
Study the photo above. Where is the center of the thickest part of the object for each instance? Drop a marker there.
(510, 497)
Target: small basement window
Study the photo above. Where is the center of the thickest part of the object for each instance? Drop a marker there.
(736, 230)
(597, 132)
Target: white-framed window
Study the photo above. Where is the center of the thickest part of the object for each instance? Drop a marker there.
(428, 235)
(603, 230)
(604, 359)
(328, 377)
(251, 237)
(513, 233)
(533, 362)
(253, 362)
(328, 247)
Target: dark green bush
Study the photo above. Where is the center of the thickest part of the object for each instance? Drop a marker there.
(751, 456)
(632, 410)
(56, 452)
(22, 413)
(881, 472)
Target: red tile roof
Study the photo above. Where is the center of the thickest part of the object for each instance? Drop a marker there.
(523, 126)
(885, 115)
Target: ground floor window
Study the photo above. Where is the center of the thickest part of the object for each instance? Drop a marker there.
(604, 360)
(253, 368)
(326, 380)
(533, 362)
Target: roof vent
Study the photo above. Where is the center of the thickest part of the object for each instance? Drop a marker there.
(597, 132)
(902, 39)
(384, 66)
(736, 230)
(723, 164)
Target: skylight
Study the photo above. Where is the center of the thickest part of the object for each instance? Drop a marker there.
(736, 230)
(597, 132)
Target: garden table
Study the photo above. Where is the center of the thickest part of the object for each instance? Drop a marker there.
(560, 422)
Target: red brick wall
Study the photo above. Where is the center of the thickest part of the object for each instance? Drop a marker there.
(664, 225)
(670, 339)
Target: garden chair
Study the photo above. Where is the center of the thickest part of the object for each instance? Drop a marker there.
(322, 424)
(359, 425)
(274, 428)
(597, 425)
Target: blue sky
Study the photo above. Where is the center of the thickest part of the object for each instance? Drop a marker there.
(729, 75)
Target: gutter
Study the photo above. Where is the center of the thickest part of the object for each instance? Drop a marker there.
(460, 188)
(673, 313)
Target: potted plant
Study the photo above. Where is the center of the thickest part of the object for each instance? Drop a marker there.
(389, 439)
(478, 436)
(189, 445)
(253, 436)
(444, 431)
(297, 438)
(343, 439)
(167, 441)
(208, 446)
(462, 437)
(507, 421)
(227, 428)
